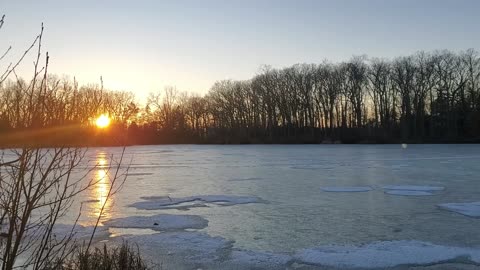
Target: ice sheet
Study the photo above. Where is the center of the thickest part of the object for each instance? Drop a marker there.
(162, 202)
(413, 188)
(471, 209)
(409, 193)
(385, 254)
(346, 189)
(79, 232)
(162, 222)
(245, 179)
(190, 246)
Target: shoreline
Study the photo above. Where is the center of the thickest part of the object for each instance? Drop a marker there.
(6, 147)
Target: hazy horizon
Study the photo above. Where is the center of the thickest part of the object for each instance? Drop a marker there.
(143, 47)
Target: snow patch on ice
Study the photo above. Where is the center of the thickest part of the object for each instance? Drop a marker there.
(414, 188)
(409, 193)
(189, 246)
(411, 190)
(385, 254)
(471, 209)
(162, 202)
(346, 189)
(162, 222)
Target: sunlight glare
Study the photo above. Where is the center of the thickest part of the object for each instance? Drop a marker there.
(102, 121)
(99, 192)
(101, 189)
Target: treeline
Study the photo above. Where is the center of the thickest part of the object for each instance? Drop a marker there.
(425, 97)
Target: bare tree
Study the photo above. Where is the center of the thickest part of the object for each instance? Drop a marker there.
(38, 185)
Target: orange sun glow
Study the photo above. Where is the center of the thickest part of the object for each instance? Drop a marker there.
(102, 121)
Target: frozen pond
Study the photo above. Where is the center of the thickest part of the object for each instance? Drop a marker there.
(277, 203)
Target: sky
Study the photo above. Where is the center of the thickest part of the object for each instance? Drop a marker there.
(143, 46)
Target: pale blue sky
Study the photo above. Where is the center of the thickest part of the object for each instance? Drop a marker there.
(142, 46)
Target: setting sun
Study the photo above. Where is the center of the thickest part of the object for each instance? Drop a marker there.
(102, 121)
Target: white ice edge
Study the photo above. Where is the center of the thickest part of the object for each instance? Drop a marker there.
(408, 193)
(346, 189)
(413, 188)
(161, 222)
(471, 209)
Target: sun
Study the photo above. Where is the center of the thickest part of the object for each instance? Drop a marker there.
(102, 121)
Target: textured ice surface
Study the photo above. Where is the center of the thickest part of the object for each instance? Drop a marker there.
(185, 206)
(79, 232)
(296, 196)
(305, 167)
(190, 246)
(162, 222)
(409, 192)
(414, 188)
(162, 202)
(138, 173)
(245, 179)
(346, 189)
(471, 209)
(201, 248)
(385, 254)
(257, 259)
(61, 231)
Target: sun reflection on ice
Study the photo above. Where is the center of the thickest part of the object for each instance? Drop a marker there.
(101, 161)
(99, 191)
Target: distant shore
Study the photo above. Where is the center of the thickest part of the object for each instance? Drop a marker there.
(36, 145)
